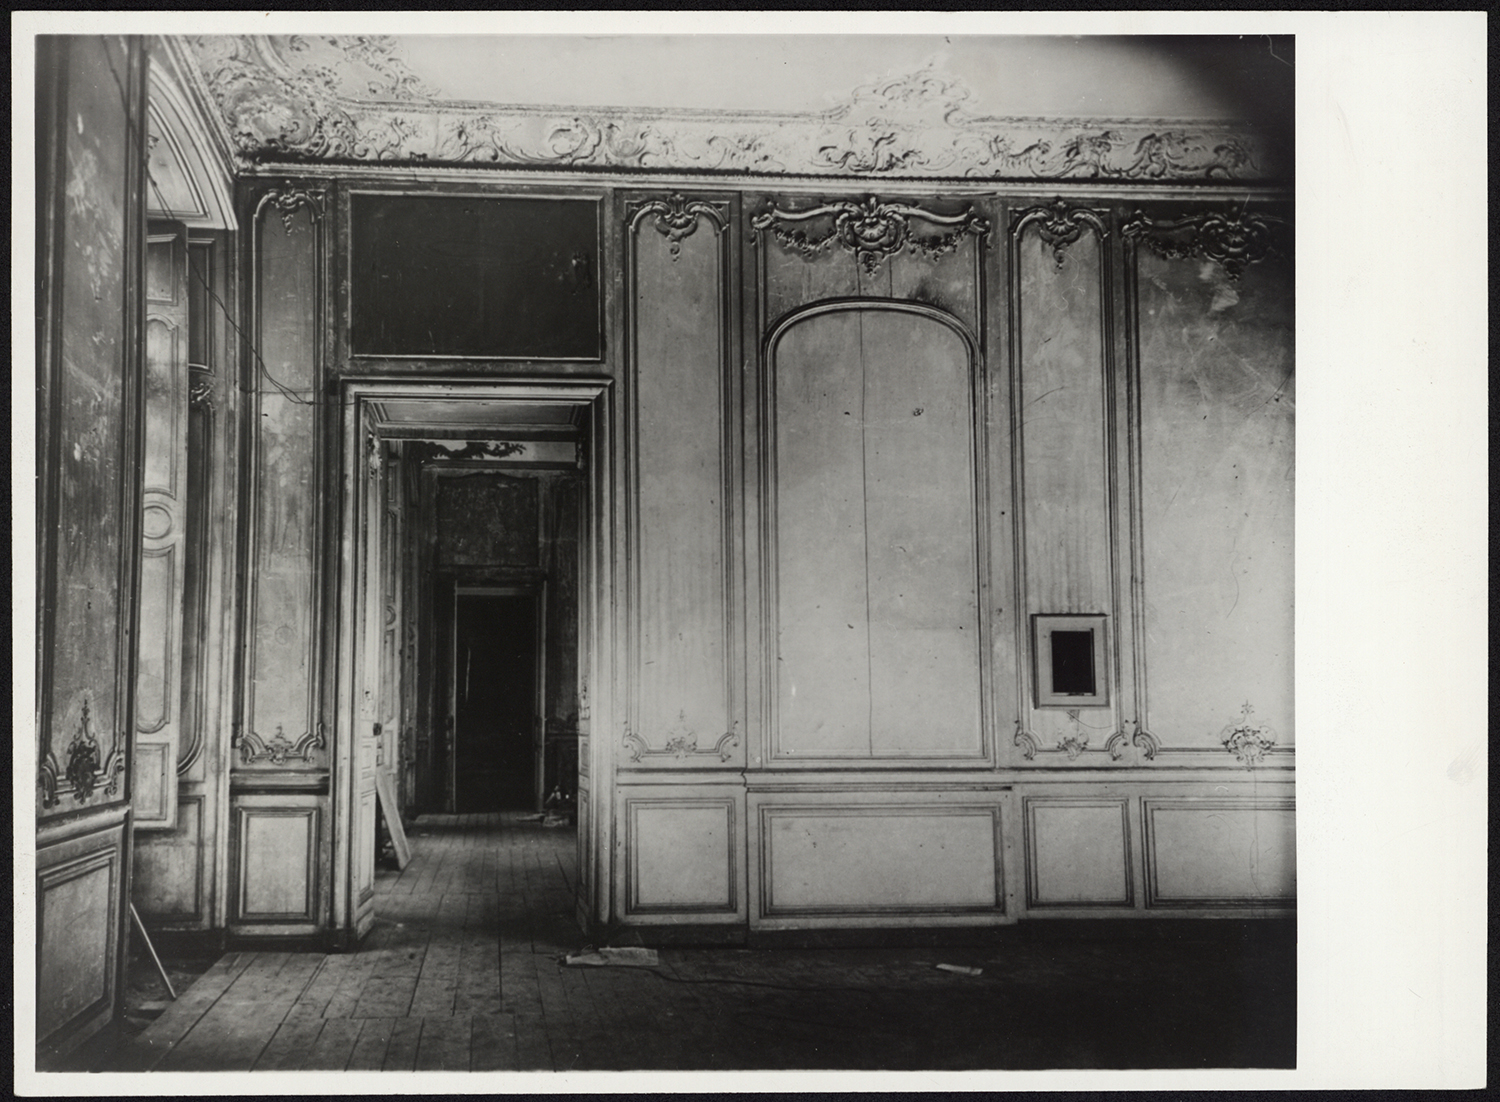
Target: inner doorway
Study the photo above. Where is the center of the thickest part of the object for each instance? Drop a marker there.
(496, 700)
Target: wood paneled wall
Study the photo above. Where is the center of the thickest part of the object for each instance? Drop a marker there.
(91, 110)
(861, 442)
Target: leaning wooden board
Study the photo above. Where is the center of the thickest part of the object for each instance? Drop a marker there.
(385, 790)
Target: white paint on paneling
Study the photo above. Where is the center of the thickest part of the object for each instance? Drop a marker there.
(874, 859)
(1220, 852)
(74, 928)
(1078, 853)
(275, 863)
(681, 856)
(875, 542)
(155, 771)
(167, 865)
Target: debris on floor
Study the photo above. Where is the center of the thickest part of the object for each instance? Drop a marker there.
(960, 970)
(628, 957)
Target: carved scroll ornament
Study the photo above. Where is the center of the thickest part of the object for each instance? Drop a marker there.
(1233, 240)
(870, 230)
(677, 219)
(1059, 225)
(278, 749)
(681, 743)
(87, 768)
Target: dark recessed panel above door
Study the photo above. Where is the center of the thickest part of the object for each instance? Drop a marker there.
(475, 277)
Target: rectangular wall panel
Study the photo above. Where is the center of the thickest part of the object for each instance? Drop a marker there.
(874, 540)
(167, 884)
(1062, 409)
(78, 909)
(276, 864)
(680, 488)
(682, 854)
(282, 713)
(1217, 420)
(878, 860)
(1232, 853)
(1077, 853)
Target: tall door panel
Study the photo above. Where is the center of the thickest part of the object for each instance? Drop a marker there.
(90, 125)
(158, 721)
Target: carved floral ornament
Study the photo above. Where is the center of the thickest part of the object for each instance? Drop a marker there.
(871, 230)
(352, 99)
(1247, 740)
(1059, 225)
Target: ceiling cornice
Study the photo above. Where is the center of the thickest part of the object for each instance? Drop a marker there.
(916, 126)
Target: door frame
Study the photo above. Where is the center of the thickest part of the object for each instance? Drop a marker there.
(364, 405)
(537, 591)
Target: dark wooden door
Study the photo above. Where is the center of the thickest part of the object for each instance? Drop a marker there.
(495, 702)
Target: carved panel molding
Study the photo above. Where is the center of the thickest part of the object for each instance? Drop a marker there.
(677, 219)
(353, 99)
(681, 743)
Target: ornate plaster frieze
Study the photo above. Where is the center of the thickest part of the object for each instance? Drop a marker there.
(353, 100)
(871, 230)
(1234, 239)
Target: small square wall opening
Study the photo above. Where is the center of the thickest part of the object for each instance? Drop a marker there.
(1072, 661)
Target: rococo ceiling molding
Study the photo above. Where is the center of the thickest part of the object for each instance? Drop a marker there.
(871, 230)
(352, 100)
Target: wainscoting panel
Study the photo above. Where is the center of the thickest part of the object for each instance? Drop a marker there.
(276, 868)
(78, 912)
(875, 860)
(168, 884)
(1235, 852)
(1077, 852)
(683, 855)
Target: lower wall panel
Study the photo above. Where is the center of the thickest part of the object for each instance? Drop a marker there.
(170, 868)
(1219, 852)
(277, 863)
(682, 857)
(1078, 852)
(848, 850)
(78, 914)
(877, 859)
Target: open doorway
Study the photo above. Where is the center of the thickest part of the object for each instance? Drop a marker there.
(474, 615)
(496, 698)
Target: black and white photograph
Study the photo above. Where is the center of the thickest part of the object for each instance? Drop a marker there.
(672, 551)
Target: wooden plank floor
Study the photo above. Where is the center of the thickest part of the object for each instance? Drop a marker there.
(461, 973)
